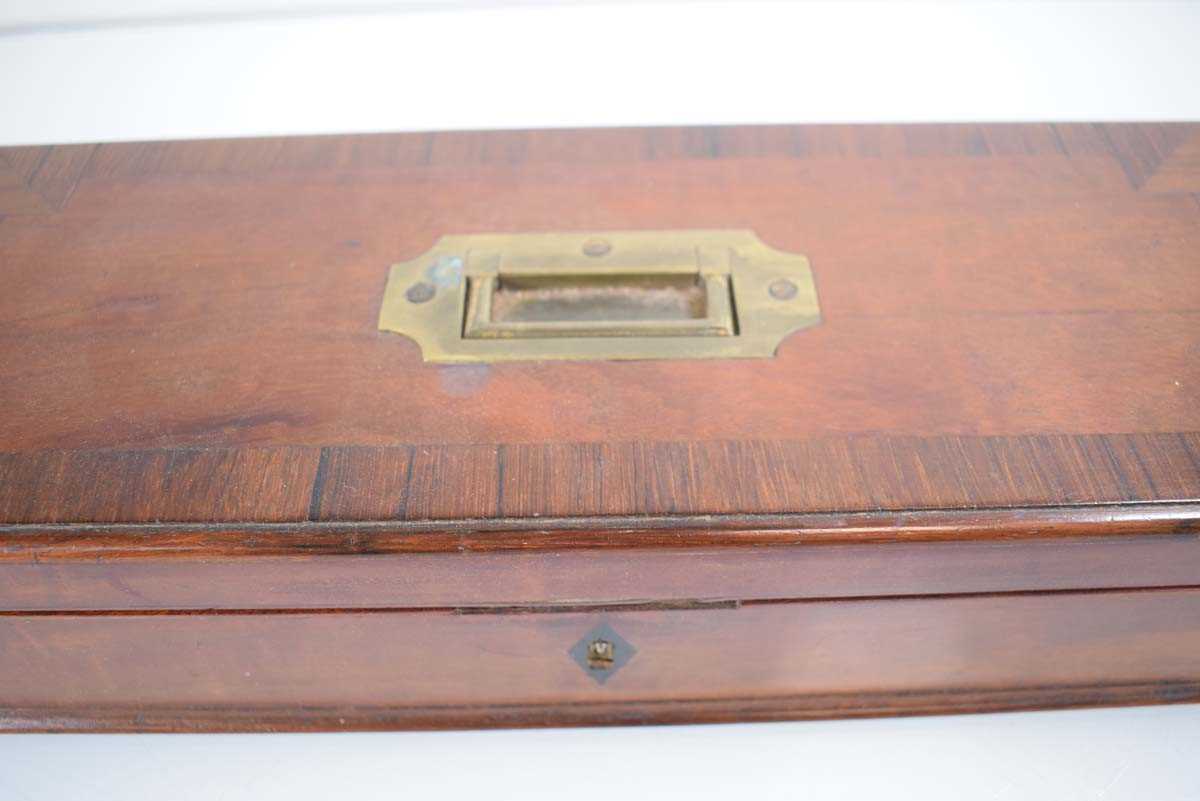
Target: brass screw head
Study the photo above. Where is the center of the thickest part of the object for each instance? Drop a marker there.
(596, 247)
(782, 289)
(420, 292)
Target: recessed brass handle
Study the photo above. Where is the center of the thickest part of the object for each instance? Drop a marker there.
(617, 295)
(587, 305)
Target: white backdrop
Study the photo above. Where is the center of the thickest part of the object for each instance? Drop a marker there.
(1147, 754)
(87, 70)
(576, 64)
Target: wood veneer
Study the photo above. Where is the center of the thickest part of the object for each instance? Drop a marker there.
(980, 475)
(758, 661)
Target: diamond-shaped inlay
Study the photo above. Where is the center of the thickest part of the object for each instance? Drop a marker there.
(602, 652)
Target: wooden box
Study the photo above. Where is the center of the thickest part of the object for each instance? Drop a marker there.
(229, 500)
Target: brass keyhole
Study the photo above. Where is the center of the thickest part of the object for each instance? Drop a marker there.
(600, 654)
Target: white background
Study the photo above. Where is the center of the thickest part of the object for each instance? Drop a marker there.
(87, 70)
(479, 65)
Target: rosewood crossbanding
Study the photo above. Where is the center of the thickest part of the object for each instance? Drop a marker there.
(229, 502)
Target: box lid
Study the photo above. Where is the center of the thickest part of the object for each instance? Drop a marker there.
(192, 362)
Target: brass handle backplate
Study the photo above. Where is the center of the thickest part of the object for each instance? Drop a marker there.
(616, 295)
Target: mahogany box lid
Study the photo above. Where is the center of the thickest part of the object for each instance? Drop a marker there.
(191, 363)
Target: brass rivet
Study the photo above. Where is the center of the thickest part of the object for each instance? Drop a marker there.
(600, 654)
(596, 247)
(782, 289)
(419, 293)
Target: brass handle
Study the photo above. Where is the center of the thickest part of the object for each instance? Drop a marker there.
(618, 295)
(581, 304)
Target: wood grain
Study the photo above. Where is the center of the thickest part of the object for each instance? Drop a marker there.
(229, 502)
(809, 659)
(487, 571)
(35, 180)
(42, 542)
(1133, 143)
(292, 718)
(1179, 169)
(995, 296)
(455, 482)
